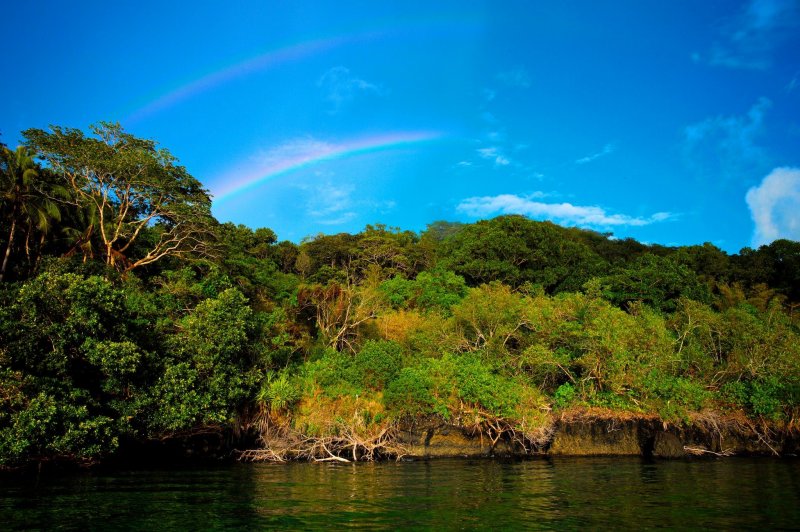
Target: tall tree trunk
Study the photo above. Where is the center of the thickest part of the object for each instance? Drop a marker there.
(8, 248)
(28, 242)
(35, 265)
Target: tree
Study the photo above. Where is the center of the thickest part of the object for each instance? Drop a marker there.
(515, 250)
(387, 248)
(340, 309)
(708, 261)
(784, 257)
(134, 189)
(18, 191)
(656, 281)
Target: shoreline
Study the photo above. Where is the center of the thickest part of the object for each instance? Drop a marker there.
(576, 433)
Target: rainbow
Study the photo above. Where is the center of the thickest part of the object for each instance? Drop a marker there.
(300, 50)
(277, 162)
(261, 62)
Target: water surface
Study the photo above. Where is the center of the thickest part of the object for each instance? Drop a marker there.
(567, 493)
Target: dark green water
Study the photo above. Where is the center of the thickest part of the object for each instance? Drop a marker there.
(574, 493)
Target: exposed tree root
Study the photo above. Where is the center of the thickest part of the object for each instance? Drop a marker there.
(282, 444)
(519, 437)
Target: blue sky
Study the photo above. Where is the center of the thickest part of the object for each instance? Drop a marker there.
(670, 122)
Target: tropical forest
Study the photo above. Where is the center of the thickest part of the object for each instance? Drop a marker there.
(132, 322)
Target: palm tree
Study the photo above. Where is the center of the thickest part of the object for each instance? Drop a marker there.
(19, 193)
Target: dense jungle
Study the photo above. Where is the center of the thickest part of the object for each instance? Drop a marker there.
(131, 318)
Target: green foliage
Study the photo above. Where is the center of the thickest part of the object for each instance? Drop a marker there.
(28, 195)
(117, 361)
(766, 397)
(147, 205)
(673, 397)
(397, 290)
(582, 339)
(377, 363)
(565, 395)
(209, 375)
(657, 281)
(279, 393)
(439, 289)
(411, 393)
(490, 317)
(769, 397)
(436, 289)
(333, 371)
(477, 384)
(515, 250)
(54, 421)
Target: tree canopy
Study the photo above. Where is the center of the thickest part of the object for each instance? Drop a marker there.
(132, 188)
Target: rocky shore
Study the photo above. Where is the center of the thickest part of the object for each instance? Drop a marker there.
(594, 434)
(576, 433)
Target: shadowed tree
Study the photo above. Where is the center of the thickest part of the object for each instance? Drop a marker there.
(25, 204)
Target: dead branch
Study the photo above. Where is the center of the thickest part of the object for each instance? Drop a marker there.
(698, 451)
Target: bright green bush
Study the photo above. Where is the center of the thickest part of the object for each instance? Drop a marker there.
(438, 289)
(411, 393)
(397, 290)
(377, 363)
(477, 384)
(565, 395)
(333, 372)
(766, 397)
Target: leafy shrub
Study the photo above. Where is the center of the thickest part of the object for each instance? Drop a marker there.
(766, 397)
(476, 384)
(378, 363)
(736, 392)
(411, 393)
(673, 397)
(439, 289)
(763, 397)
(56, 424)
(333, 371)
(397, 290)
(279, 393)
(565, 395)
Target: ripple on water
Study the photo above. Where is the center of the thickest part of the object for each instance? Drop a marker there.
(442, 494)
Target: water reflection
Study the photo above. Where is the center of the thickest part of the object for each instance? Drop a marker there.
(560, 493)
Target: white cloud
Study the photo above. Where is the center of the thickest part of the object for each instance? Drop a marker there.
(343, 218)
(566, 213)
(517, 77)
(496, 136)
(493, 153)
(330, 204)
(749, 39)
(608, 149)
(725, 145)
(292, 150)
(342, 87)
(775, 206)
(488, 153)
